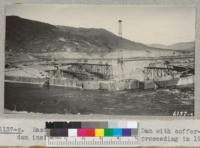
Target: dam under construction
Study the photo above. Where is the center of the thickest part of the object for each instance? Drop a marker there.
(111, 74)
(110, 87)
(94, 71)
(122, 70)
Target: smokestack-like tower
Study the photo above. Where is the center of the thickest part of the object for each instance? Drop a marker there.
(120, 28)
(120, 54)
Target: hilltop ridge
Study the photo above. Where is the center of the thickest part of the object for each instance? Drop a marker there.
(28, 36)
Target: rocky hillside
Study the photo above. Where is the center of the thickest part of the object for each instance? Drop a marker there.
(188, 46)
(28, 36)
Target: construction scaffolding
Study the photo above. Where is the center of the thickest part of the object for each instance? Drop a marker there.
(159, 73)
(82, 71)
(86, 71)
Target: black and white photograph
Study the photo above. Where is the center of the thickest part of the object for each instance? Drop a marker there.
(99, 60)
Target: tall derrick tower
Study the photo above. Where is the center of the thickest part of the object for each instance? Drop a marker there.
(120, 60)
(120, 28)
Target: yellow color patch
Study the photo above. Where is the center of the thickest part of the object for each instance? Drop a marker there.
(99, 132)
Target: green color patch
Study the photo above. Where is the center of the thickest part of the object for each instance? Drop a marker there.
(108, 132)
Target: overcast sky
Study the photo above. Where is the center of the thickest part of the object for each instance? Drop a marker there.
(163, 25)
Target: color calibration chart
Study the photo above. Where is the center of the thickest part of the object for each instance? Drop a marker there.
(89, 134)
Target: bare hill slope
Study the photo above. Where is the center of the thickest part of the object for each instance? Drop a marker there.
(28, 36)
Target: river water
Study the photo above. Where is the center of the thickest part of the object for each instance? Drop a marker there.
(34, 98)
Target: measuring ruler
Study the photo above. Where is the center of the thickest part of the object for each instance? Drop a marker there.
(91, 141)
(92, 133)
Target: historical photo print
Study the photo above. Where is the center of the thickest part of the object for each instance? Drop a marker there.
(99, 59)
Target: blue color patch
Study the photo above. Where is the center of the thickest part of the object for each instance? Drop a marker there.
(117, 132)
(126, 132)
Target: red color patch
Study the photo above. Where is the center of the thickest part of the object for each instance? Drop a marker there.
(90, 132)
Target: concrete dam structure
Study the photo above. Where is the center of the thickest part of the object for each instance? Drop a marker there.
(113, 74)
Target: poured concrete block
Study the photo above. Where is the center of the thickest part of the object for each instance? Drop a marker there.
(150, 85)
